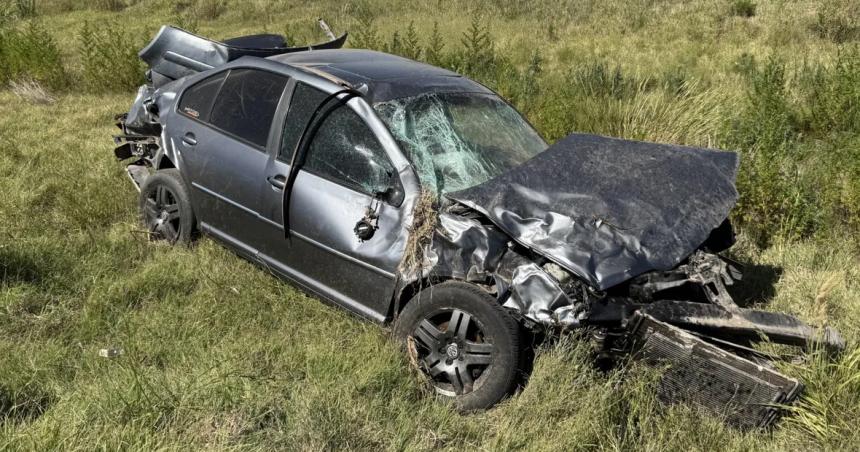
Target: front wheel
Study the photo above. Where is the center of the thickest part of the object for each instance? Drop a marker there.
(166, 207)
(467, 344)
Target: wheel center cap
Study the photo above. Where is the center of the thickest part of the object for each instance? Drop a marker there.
(452, 350)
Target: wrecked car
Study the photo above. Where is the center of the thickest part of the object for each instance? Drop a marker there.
(416, 197)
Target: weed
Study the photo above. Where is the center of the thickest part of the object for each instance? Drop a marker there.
(743, 8)
(210, 9)
(108, 54)
(31, 91)
(26, 8)
(111, 5)
(478, 57)
(433, 52)
(838, 21)
(30, 52)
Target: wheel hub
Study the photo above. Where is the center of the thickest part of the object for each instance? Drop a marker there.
(452, 350)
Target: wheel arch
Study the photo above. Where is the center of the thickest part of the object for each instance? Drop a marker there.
(408, 290)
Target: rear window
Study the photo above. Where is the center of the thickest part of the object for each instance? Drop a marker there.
(197, 100)
(246, 104)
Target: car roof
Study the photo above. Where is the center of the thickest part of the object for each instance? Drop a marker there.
(386, 76)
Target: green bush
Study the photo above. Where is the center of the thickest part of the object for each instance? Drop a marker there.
(838, 21)
(407, 45)
(743, 8)
(210, 9)
(30, 52)
(111, 5)
(434, 50)
(772, 201)
(830, 95)
(108, 56)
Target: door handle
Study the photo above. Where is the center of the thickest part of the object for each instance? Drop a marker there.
(189, 139)
(278, 181)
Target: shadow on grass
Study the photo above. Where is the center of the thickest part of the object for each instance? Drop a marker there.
(758, 285)
(18, 268)
(23, 405)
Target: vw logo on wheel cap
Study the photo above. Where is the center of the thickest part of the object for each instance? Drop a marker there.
(452, 350)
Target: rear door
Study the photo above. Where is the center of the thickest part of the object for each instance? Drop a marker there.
(222, 130)
(346, 165)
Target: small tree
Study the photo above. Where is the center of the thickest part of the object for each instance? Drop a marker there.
(435, 46)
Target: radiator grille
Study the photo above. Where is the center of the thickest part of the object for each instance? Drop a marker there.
(743, 393)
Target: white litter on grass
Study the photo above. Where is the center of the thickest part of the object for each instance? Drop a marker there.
(110, 352)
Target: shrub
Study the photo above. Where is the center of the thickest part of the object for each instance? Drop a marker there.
(830, 95)
(433, 52)
(407, 45)
(478, 57)
(743, 8)
(838, 21)
(108, 56)
(30, 52)
(111, 5)
(366, 35)
(772, 201)
(210, 9)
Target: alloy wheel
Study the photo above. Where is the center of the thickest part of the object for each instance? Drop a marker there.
(161, 214)
(453, 350)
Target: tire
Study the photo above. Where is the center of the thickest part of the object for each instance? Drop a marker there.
(166, 208)
(483, 366)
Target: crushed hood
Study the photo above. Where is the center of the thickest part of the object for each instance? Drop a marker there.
(608, 209)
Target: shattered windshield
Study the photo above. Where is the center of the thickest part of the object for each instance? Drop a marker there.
(459, 140)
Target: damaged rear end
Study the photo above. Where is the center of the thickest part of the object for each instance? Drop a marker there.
(172, 55)
(622, 239)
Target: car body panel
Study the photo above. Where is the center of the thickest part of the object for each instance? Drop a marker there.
(237, 203)
(608, 209)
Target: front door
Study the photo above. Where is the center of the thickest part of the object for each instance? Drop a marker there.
(345, 168)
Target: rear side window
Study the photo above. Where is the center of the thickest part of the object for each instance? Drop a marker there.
(197, 100)
(246, 104)
(305, 100)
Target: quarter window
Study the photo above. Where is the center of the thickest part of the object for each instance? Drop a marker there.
(246, 104)
(197, 100)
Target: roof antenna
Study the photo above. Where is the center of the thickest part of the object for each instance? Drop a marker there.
(326, 29)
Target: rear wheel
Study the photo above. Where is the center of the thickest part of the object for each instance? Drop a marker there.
(166, 207)
(467, 344)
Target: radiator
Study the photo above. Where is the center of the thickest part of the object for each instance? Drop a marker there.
(697, 373)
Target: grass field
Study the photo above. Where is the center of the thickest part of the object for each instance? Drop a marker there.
(220, 355)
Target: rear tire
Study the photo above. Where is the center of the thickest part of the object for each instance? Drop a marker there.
(469, 346)
(166, 208)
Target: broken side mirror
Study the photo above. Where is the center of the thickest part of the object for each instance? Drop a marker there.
(393, 193)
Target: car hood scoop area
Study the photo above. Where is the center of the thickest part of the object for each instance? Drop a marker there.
(609, 209)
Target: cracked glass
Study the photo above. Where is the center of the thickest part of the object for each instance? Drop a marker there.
(459, 140)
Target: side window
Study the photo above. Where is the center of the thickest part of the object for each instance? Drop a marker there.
(303, 102)
(197, 101)
(246, 104)
(346, 150)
